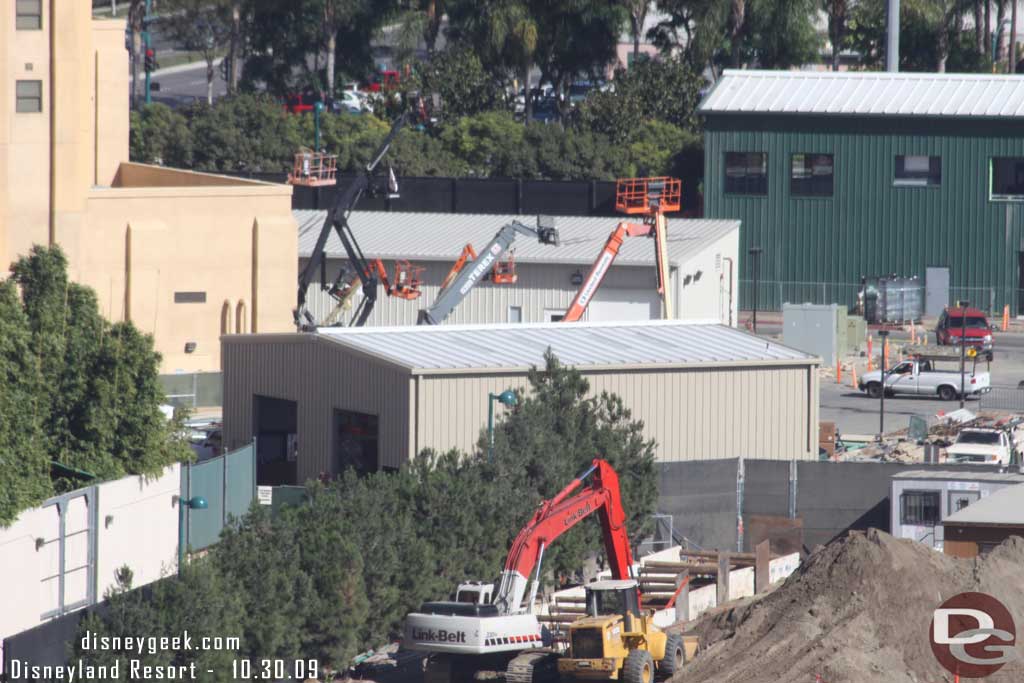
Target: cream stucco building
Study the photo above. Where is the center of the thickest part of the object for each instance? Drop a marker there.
(185, 256)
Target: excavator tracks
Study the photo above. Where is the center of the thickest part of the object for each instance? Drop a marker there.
(537, 666)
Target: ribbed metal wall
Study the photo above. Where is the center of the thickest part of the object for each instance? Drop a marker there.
(869, 226)
(539, 287)
(320, 377)
(693, 413)
(768, 412)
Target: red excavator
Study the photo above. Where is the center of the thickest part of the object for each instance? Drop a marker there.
(478, 632)
(650, 198)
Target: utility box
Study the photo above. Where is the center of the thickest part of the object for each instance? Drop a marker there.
(856, 333)
(812, 328)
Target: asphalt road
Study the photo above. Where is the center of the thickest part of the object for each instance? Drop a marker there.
(855, 413)
(183, 85)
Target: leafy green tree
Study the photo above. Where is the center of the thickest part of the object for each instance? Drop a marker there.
(637, 16)
(160, 135)
(504, 33)
(554, 434)
(98, 404)
(280, 36)
(458, 77)
(301, 579)
(199, 601)
(575, 38)
(247, 133)
(620, 111)
(24, 464)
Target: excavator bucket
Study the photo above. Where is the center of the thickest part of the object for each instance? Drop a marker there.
(407, 280)
(648, 196)
(505, 271)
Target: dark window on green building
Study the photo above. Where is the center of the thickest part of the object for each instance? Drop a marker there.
(1008, 178)
(918, 171)
(811, 175)
(746, 173)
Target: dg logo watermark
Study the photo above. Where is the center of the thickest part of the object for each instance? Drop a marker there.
(973, 635)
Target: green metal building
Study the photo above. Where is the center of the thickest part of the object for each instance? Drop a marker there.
(839, 176)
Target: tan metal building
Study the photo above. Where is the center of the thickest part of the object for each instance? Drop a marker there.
(373, 397)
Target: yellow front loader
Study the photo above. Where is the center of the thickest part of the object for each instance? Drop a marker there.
(619, 641)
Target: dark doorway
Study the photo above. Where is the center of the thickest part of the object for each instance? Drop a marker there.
(355, 441)
(277, 441)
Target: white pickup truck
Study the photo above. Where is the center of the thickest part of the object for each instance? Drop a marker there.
(981, 446)
(920, 378)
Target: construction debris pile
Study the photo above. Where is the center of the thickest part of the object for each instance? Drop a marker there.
(902, 446)
(858, 610)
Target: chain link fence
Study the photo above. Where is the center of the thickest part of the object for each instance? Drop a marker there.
(771, 294)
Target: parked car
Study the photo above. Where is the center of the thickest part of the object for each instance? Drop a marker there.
(950, 329)
(347, 101)
(921, 378)
(981, 446)
(298, 103)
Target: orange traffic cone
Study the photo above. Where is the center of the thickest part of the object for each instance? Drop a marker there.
(913, 333)
(853, 376)
(885, 353)
(839, 373)
(1006, 317)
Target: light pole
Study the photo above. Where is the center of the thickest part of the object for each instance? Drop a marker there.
(317, 108)
(507, 398)
(996, 35)
(148, 45)
(755, 253)
(963, 345)
(881, 403)
(194, 503)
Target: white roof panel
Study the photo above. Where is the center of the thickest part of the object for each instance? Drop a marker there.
(866, 93)
(441, 236)
(1005, 506)
(470, 347)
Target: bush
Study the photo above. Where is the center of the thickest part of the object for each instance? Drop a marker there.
(78, 390)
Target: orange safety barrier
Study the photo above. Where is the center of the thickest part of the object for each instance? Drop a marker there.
(885, 353)
(648, 195)
(871, 352)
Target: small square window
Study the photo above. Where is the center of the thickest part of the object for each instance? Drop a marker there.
(920, 508)
(29, 15)
(1008, 178)
(746, 173)
(29, 96)
(918, 171)
(515, 314)
(811, 175)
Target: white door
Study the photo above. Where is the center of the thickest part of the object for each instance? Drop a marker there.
(613, 305)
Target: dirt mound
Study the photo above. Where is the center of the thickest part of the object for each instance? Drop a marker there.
(858, 610)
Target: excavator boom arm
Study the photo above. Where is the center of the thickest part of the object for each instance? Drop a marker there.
(556, 516)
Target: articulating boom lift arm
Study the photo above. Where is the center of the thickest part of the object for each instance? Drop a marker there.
(337, 219)
(452, 295)
(556, 516)
(600, 268)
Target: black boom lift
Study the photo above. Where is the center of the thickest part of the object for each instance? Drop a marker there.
(337, 220)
